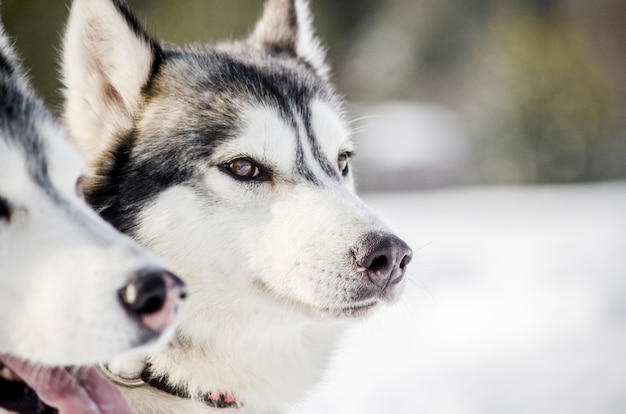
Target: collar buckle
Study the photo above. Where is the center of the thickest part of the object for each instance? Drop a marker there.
(119, 380)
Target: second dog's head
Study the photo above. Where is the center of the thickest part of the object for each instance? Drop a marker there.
(73, 290)
(231, 162)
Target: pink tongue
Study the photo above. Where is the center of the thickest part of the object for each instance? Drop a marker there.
(71, 390)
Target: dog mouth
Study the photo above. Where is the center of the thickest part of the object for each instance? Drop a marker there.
(354, 309)
(33, 388)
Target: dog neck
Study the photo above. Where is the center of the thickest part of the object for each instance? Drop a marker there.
(233, 338)
(256, 370)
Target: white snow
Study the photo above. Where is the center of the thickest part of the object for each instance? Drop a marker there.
(516, 303)
(427, 136)
(402, 145)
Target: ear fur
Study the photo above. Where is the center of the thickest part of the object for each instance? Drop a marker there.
(107, 59)
(10, 65)
(8, 60)
(286, 28)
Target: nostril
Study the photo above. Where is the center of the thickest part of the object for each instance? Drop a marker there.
(378, 264)
(146, 294)
(177, 283)
(153, 304)
(405, 261)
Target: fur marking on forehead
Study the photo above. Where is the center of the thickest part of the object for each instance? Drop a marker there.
(278, 83)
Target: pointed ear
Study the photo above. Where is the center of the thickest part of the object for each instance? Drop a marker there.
(11, 65)
(107, 59)
(286, 28)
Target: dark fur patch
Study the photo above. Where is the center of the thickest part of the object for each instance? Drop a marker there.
(6, 66)
(290, 93)
(315, 147)
(20, 112)
(133, 23)
(126, 184)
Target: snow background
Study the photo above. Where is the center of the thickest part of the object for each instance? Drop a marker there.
(516, 295)
(516, 303)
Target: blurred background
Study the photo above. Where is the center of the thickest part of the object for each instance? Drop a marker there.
(492, 136)
(485, 91)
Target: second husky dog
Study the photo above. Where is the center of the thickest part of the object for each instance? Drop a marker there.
(73, 291)
(231, 163)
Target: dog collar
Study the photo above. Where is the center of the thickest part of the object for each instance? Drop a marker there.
(218, 399)
(119, 380)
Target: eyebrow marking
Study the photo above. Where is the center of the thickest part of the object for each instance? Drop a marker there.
(318, 155)
(301, 164)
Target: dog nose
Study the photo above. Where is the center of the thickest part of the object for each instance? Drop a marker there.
(153, 297)
(383, 258)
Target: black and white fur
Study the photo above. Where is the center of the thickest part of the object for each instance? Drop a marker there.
(65, 274)
(232, 164)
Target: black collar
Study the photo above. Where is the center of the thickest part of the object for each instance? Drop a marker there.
(218, 399)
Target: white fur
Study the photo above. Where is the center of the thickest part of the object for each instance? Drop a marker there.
(90, 63)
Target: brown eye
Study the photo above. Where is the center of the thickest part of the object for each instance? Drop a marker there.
(343, 164)
(245, 169)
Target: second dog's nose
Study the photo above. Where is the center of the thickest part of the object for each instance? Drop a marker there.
(383, 258)
(153, 298)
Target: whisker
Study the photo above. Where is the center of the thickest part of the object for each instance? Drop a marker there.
(362, 118)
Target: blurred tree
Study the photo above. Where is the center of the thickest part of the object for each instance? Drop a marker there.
(555, 106)
(36, 27)
(542, 83)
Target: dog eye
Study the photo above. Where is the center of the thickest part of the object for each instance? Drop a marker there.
(245, 169)
(5, 211)
(343, 163)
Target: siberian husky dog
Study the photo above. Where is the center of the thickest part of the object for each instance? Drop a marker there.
(233, 164)
(73, 291)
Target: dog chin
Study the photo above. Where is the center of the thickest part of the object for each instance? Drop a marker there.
(323, 312)
(358, 310)
(365, 306)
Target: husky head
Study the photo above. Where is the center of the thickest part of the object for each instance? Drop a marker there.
(233, 164)
(73, 291)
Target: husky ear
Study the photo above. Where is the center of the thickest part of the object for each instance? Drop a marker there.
(286, 28)
(107, 59)
(11, 65)
(8, 61)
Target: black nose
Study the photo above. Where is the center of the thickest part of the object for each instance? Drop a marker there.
(147, 293)
(383, 257)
